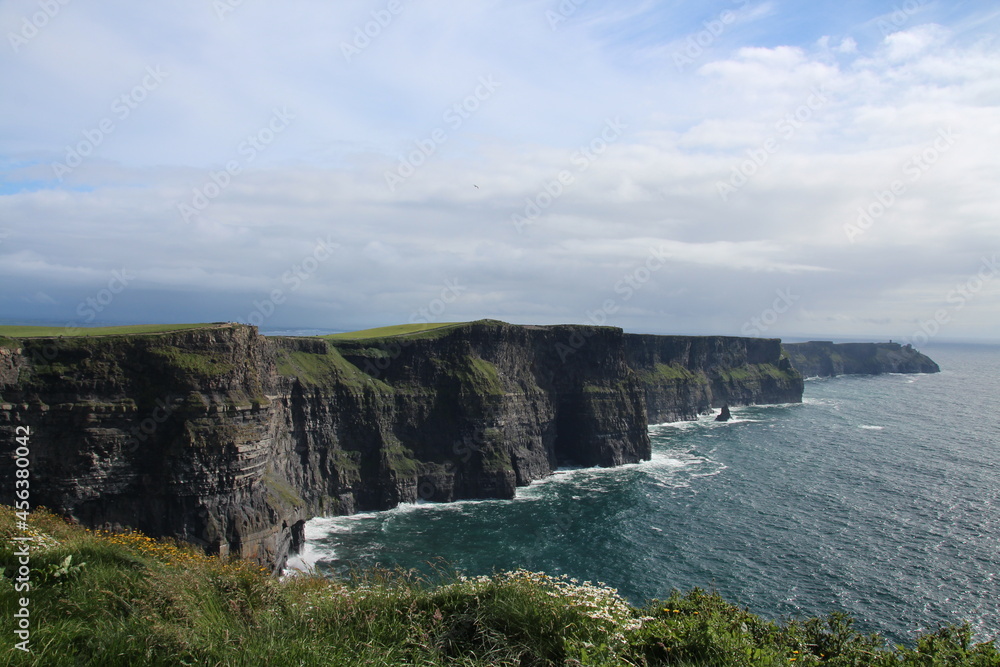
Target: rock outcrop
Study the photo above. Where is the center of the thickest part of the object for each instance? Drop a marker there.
(826, 359)
(230, 440)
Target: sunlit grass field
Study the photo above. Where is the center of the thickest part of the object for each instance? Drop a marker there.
(15, 331)
(396, 330)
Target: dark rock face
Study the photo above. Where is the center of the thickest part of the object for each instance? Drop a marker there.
(684, 376)
(826, 359)
(230, 440)
(725, 415)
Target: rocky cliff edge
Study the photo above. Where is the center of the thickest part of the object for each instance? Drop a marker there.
(230, 440)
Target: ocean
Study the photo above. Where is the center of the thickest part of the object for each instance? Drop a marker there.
(876, 496)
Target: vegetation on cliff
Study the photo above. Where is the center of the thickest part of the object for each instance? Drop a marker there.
(107, 599)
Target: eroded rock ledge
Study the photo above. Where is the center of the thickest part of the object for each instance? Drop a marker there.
(231, 440)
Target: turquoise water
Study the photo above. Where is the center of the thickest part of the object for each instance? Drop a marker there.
(876, 496)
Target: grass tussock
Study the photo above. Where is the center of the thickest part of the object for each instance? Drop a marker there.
(108, 599)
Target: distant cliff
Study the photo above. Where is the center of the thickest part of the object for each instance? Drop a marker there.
(824, 358)
(230, 440)
(684, 376)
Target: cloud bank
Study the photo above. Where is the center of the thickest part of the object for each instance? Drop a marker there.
(662, 169)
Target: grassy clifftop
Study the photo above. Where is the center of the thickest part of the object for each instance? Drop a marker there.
(8, 331)
(123, 599)
(393, 331)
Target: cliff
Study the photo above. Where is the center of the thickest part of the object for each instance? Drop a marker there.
(230, 440)
(684, 376)
(824, 358)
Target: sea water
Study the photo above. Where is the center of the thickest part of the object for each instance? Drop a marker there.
(876, 496)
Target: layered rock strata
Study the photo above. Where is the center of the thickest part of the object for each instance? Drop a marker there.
(230, 440)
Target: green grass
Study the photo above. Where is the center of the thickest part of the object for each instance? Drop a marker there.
(401, 460)
(391, 331)
(670, 374)
(279, 493)
(201, 364)
(9, 331)
(753, 372)
(477, 376)
(129, 600)
(324, 370)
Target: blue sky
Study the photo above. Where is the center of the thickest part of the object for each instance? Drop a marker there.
(742, 167)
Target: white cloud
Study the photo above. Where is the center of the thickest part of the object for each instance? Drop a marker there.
(907, 44)
(827, 126)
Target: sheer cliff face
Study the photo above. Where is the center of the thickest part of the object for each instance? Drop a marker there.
(684, 376)
(824, 358)
(229, 440)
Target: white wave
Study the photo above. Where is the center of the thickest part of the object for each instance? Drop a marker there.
(669, 461)
(674, 426)
(324, 525)
(869, 427)
(662, 467)
(736, 420)
(719, 467)
(765, 406)
(312, 551)
(305, 561)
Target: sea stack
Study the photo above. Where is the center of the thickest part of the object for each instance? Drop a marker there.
(724, 416)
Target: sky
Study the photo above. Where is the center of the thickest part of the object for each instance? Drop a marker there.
(742, 167)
